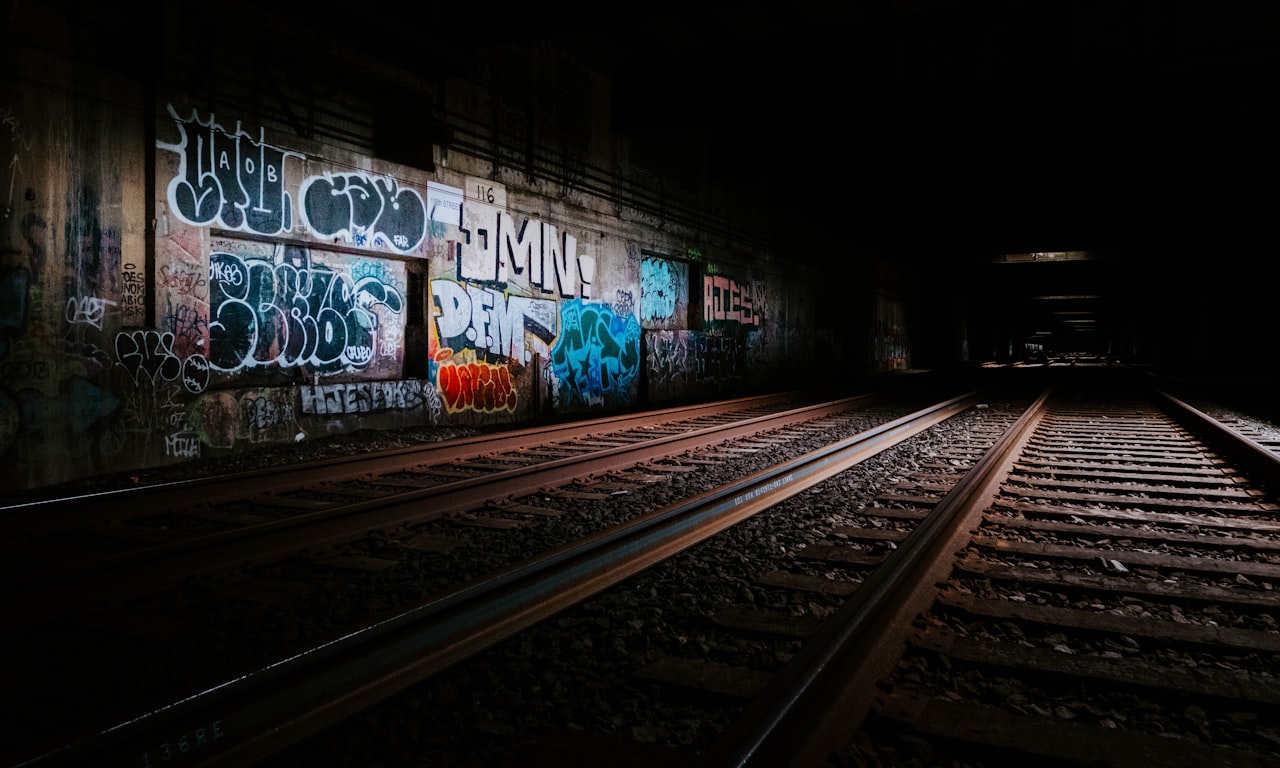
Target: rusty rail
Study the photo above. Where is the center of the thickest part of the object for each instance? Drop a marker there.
(270, 708)
(800, 715)
(35, 594)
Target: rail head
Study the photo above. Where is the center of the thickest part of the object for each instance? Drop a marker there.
(1250, 454)
(340, 677)
(781, 725)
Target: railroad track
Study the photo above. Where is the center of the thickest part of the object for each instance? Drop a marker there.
(1091, 586)
(1114, 605)
(139, 540)
(139, 630)
(867, 586)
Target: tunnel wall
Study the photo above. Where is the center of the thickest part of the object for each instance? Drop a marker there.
(190, 273)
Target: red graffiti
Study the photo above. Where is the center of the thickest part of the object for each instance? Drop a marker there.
(476, 386)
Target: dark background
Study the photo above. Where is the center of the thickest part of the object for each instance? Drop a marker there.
(941, 134)
(973, 126)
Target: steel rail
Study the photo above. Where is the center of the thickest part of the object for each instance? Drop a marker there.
(1249, 453)
(272, 707)
(811, 709)
(46, 515)
(39, 593)
(803, 713)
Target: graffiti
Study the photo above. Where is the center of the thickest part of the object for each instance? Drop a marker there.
(497, 251)
(719, 357)
(13, 304)
(435, 405)
(392, 342)
(362, 397)
(597, 354)
(88, 246)
(692, 357)
(222, 418)
(889, 349)
(261, 413)
(195, 373)
(440, 250)
(26, 370)
(91, 358)
(228, 179)
(489, 320)
(87, 402)
(889, 343)
(148, 412)
(182, 445)
(691, 363)
(36, 364)
(149, 356)
(364, 210)
(624, 302)
(87, 310)
(661, 286)
(234, 181)
(392, 339)
(19, 144)
(133, 297)
(183, 282)
(725, 300)
(10, 421)
(476, 386)
(668, 359)
(189, 327)
(74, 409)
(380, 270)
(291, 312)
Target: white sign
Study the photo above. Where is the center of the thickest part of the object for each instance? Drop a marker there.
(444, 203)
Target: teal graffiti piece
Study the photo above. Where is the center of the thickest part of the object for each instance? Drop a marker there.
(10, 421)
(597, 355)
(88, 403)
(13, 304)
(83, 403)
(32, 410)
(13, 298)
(629, 331)
(658, 289)
(436, 230)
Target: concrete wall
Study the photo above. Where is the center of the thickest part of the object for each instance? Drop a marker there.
(73, 217)
(192, 272)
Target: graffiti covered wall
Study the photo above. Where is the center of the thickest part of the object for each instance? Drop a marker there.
(283, 279)
(686, 365)
(195, 282)
(72, 171)
(517, 296)
(721, 346)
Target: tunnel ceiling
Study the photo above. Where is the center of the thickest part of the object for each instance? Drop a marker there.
(985, 127)
(946, 130)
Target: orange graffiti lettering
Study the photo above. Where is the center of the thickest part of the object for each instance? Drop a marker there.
(476, 386)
